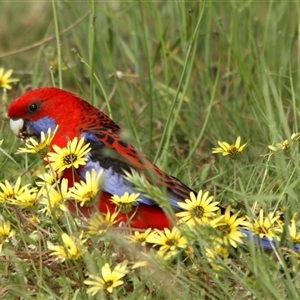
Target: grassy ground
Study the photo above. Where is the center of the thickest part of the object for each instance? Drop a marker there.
(193, 73)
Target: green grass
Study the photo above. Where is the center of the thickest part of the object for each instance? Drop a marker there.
(193, 73)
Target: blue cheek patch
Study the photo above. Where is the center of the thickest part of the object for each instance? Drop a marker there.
(42, 124)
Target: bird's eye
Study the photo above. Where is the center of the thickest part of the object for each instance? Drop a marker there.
(33, 107)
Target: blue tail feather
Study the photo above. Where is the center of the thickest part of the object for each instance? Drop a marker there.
(265, 243)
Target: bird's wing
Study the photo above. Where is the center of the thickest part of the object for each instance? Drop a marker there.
(115, 156)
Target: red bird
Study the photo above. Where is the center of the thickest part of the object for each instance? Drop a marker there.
(40, 109)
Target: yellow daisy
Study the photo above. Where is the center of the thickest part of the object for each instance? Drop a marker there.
(54, 198)
(85, 191)
(216, 250)
(53, 63)
(71, 248)
(42, 147)
(32, 221)
(294, 236)
(198, 209)
(231, 150)
(140, 237)
(125, 202)
(30, 198)
(48, 178)
(16, 194)
(266, 226)
(228, 226)
(283, 145)
(295, 255)
(170, 242)
(286, 144)
(5, 233)
(100, 223)
(109, 279)
(73, 155)
(5, 79)
(215, 255)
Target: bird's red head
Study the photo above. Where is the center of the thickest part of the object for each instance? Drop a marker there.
(43, 108)
(37, 103)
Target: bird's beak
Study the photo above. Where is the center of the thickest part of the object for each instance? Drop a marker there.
(19, 128)
(16, 126)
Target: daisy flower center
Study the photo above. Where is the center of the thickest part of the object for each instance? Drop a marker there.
(198, 212)
(261, 229)
(285, 145)
(233, 150)
(224, 229)
(3, 238)
(88, 195)
(108, 284)
(69, 159)
(103, 226)
(10, 196)
(141, 239)
(172, 243)
(125, 207)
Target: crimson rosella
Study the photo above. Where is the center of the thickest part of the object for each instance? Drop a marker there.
(40, 109)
